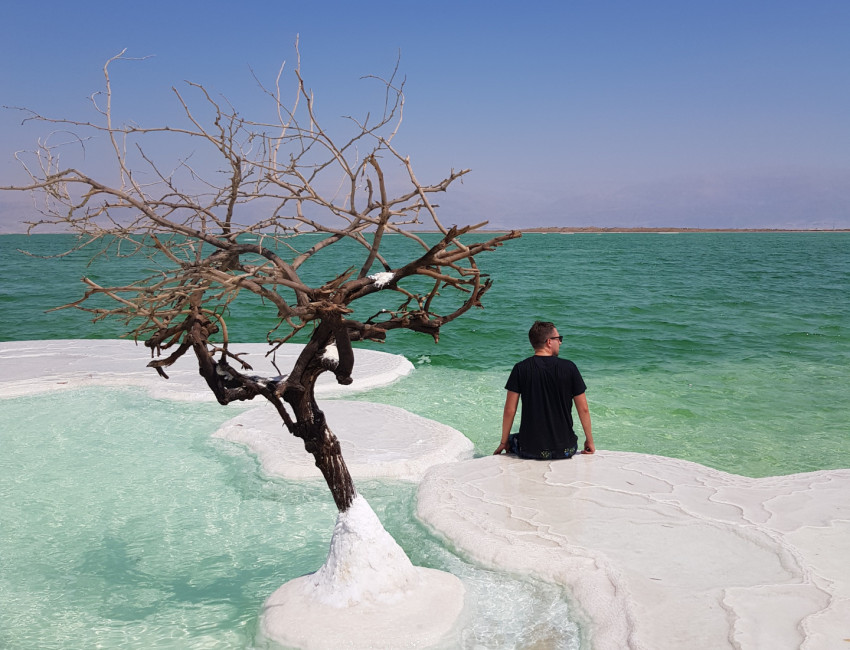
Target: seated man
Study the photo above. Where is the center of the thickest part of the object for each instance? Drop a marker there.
(548, 387)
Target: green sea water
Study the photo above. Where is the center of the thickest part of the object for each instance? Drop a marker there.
(728, 349)
(124, 524)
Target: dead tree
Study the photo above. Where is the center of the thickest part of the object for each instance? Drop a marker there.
(230, 224)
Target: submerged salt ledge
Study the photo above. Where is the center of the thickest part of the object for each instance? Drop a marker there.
(366, 595)
(661, 553)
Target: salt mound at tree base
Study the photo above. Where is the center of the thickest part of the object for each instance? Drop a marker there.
(366, 595)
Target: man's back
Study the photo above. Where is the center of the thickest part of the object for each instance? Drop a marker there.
(547, 386)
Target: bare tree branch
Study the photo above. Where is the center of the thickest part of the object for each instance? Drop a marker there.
(224, 218)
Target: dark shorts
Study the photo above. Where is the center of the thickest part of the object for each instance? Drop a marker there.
(513, 448)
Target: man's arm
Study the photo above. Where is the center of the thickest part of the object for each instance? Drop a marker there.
(584, 415)
(511, 402)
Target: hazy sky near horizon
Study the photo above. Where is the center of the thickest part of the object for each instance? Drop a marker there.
(715, 113)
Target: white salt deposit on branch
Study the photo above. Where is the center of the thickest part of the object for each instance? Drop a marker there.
(382, 279)
(331, 355)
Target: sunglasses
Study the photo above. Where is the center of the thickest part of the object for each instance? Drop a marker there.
(560, 338)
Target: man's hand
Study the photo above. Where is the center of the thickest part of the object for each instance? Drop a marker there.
(511, 404)
(589, 447)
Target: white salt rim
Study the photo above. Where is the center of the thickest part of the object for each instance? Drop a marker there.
(31, 367)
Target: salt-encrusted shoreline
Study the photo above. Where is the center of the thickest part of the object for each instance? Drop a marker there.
(661, 553)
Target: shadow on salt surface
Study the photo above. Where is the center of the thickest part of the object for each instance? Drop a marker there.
(659, 552)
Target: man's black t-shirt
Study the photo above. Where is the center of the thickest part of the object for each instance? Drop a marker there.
(546, 386)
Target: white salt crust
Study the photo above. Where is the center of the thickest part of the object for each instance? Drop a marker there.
(377, 441)
(660, 553)
(366, 595)
(382, 279)
(31, 367)
(331, 354)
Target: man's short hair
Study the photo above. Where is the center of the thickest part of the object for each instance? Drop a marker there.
(539, 333)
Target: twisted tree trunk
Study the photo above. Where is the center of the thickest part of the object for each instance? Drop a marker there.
(299, 392)
(319, 440)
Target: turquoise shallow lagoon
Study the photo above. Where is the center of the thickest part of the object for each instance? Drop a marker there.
(126, 525)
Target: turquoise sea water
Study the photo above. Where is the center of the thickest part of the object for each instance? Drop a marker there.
(126, 525)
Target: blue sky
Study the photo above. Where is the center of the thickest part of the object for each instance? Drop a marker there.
(629, 113)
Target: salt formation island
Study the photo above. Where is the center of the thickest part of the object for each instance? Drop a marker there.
(367, 594)
(41, 366)
(661, 553)
(378, 441)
